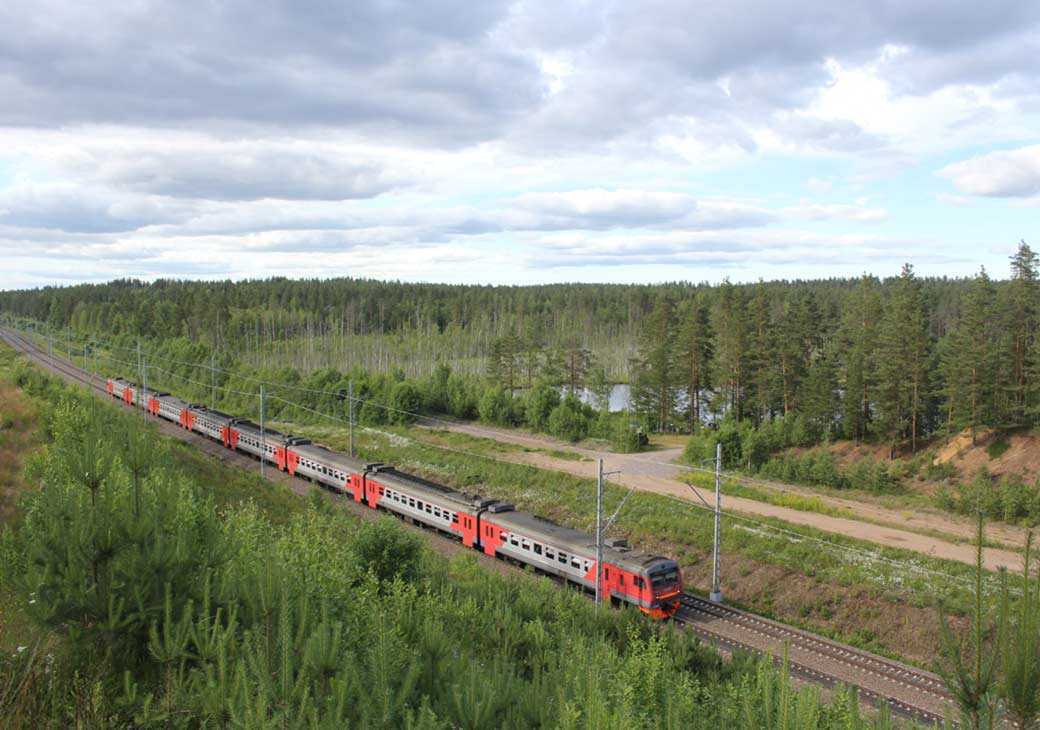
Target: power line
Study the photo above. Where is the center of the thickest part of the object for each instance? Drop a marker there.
(731, 476)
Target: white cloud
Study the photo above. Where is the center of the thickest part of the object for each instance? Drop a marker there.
(443, 137)
(1004, 174)
(836, 211)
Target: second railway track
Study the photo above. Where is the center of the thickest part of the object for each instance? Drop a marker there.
(908, 691)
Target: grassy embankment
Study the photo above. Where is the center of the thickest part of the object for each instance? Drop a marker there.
(403, 639)
(882, 599)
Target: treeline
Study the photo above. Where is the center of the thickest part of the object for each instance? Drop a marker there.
(892, 361)
(166, 612)
(369, 398)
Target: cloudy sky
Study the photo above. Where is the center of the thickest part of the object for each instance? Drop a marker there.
(516, 142)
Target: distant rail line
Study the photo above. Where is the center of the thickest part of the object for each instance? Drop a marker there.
(907, 691)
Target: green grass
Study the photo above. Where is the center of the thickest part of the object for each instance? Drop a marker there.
(232, 487)
(653, 522)
(998, 447)
(659, 523)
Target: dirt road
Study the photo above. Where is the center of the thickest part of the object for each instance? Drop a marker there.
(653, 472)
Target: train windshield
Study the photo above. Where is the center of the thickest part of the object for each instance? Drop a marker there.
(664, 577)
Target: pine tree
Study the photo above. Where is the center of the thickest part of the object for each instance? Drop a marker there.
(653, 392)
(729, 320)
(818, 397)
(795, 344)
(577, 360)
(761, 374)
(968, 364)
(694, 355)
(859, 340)
(504, 361)
(903, 362)
(1020, 310)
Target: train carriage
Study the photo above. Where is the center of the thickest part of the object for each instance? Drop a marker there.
(648, 581)
(124, 390)
(274, 448)
(426, 502)
(153, 401)
(215, 424)
(172, 409)
(325, 466)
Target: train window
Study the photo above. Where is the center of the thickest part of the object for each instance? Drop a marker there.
(563, 558)
(455, 519)
(429, 509)
(411, 502)
(575, 563)
(550, 553)
(537, 549)
(513, 540)
(638, 581)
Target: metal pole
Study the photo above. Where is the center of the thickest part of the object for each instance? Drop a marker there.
(716, 577)
(212, 380)
(50, 346)
(140, 372)
(599, 528)
(263, 442)
(350, 406)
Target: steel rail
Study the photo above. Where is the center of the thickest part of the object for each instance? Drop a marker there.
(698, 615)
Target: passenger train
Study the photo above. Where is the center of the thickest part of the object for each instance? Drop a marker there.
(650, 582)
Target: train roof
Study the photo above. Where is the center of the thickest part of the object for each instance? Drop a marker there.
(325, 455)
(269, 433)
(389, 476)
(172, 399)
(214, 413)
(615, 552)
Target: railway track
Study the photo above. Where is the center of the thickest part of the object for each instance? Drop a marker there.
(907, 691)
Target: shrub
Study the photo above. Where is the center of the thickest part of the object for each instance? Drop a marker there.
(496, 407)
(406, 401)
(819, 467)
(372, 414)
(568, 422)
(700, 447)
(462, 402)
(389, 552)
(998, 447)
(106, 557)
(540, 402)
(626, 438)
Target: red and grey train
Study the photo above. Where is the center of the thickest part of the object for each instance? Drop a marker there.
(651, 582)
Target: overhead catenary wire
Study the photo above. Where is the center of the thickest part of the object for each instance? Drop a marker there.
(791, 535)
(729, 476)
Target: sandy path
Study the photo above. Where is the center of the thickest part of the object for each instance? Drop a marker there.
(651, 472)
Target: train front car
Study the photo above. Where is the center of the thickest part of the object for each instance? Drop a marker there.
(665, 582)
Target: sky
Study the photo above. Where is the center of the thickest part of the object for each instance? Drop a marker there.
(516, 142)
